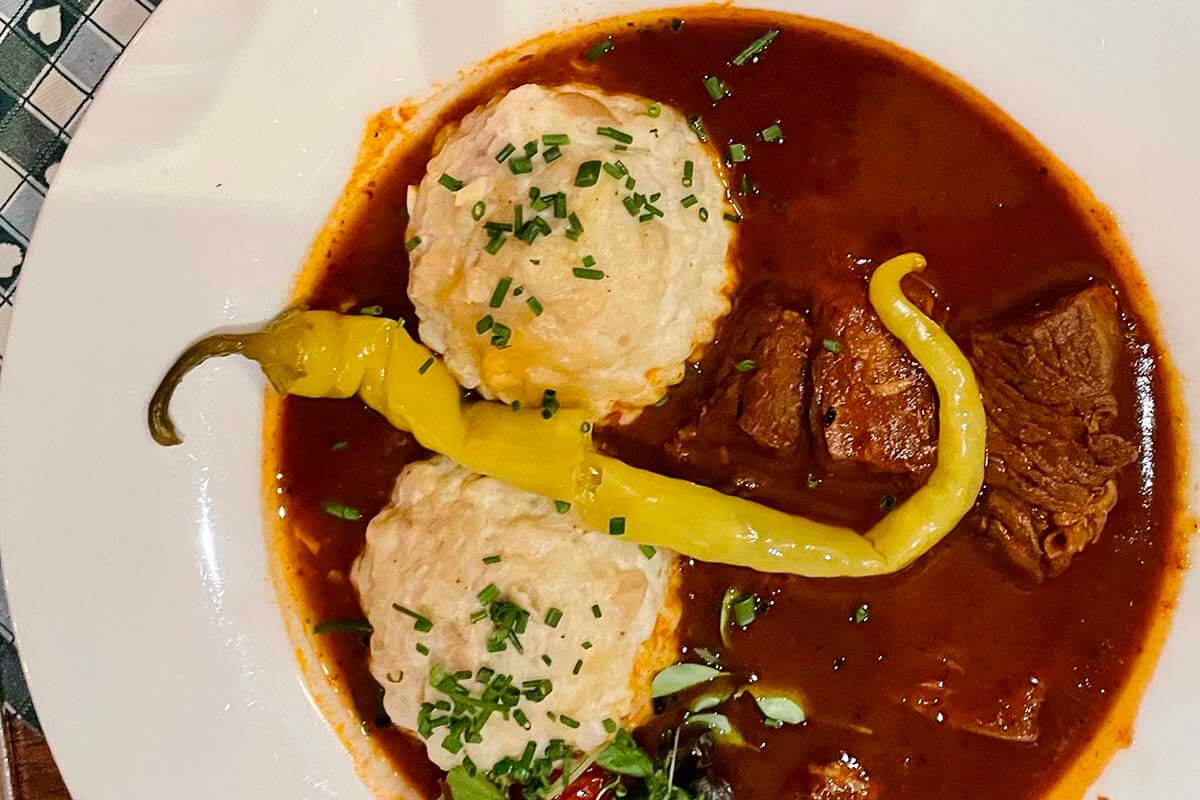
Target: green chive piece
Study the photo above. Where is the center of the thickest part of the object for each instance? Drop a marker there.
(422, 649)
(340, 510)
(477, 616)
(497, 227)
(862, 614)
(339, 445)
(630, 182)
(412, 244)
(689, 201)
(745, 365)
(520, 166)
(562, 506)
(599, 49)
(505, 152)
(520, 718)
(647, 550)
(565, 720)
(688, 169)
(596, 612)
(587, 645)
(573, 221)
(755, 48)
(560, 205)
(749, 187)
(616, 526)
(578, 666)
(887, 502)
(732, 217)
(535, 306)
(645, 217)
(343, 626)
(421, 623)
(488, 594)
(515, 405)
(491, 559)
(715, 87)
(549, 403)
(812, 482)
(610, 727)
(614, 133)
(553, 616)
(552, 139)
(500, 292)
(654, 110)
(478, 210)
(371, 311)
(484, 324)
(737, 153)
(552, 154)
(501, 335)
(547, 660)
(450, 182)
(588, 173)
(421, 370)
(662, 401)
(588, 274)
(772, 133)
(703, 214)
(620, 148)
(615, 171)
(495, 243)
(697, 125)
(588, 261)
(530, 148)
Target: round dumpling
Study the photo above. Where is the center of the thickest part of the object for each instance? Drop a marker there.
(470, 583)
(593, 266)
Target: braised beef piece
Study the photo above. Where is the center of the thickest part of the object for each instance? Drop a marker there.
(872, 403)
(759, 381)
(1008, 712)
(1047, 384)
(843, 779)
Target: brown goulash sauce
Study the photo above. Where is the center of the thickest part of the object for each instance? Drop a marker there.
(880, 156)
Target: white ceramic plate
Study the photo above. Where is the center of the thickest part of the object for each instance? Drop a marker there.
(137, 575)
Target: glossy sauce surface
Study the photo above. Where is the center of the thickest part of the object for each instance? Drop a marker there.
(880, 155)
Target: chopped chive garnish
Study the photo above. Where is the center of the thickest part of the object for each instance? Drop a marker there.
(421, 623)
(688, 168)
(549, 403)
(647, 550)
(421, 370)
(553, 616)
(552, 139)
(340, 510)
(343, 626)
(620, 148)
(495, 243)
(755, 48)
(745, 365)
(732, 217)
(497, 227)
(598, 49)
(660, 402)
(560, 205)
(596, 612)
(862, 614)
(697, 126)
(653, 209)
(534, 192)
(450, 182)
(589, 261)
(689, 201)
(832, 345)
(588, 173)
(552, 154)
(630, 182)
(505, 152)
(616, 526)
(371, 311)
(484, 324)
(488, 594)
(515, 405)
(812, 482)
(614, 133)
(609, 726)
(887, 502)
(412, 244)
(631, 205)
(520, 166)
(500, 292)
(565, 720)
(422, 649)
(339, 445)
(535, 306)
(501, 335)
(518, 215)
(654, 110)
(588, 645)
(520, 718)
(477, 616)
(562, 506)
(547, 660)
(749, 187)
(491, 559)
(654, 197)
(588, 274)
(737, 152)
(772, 133)
(478, 210)
(617, 170)
(645, 217)
(578, 666)
(530, 148)
(703, 214)
(715, 87)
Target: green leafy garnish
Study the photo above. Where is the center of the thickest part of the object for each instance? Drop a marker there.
(340, 510)
(779, 710)
(623, 756)
(467, 785)
(678, 677)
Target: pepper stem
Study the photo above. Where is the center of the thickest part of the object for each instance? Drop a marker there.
(215, 346)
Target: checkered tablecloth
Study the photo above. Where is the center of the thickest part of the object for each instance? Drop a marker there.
(53, 56)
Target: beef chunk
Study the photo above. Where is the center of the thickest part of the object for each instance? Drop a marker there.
(872, 405)
(1047, 383)
(1007, 712)
(759, 380)
(843, 779)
